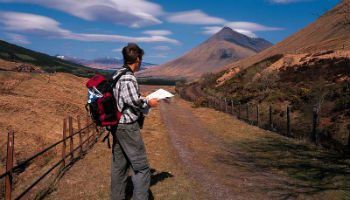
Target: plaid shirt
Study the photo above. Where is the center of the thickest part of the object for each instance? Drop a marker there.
(127, 95)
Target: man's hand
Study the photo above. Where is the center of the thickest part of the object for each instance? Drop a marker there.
(153, 102)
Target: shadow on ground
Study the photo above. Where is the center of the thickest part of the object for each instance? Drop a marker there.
(309, 172)
(156, 177)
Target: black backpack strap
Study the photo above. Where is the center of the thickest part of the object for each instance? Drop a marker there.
(114, 82)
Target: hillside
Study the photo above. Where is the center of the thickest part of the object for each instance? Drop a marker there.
(309, 70)
(329, 32)
(14, 53)
(34, 105)
(222, 48)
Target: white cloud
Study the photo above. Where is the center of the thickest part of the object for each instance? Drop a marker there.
(17, 38)
(246, 28)
(251, 26)
(161, 48)
(194, 17)
(284, 1)
(44, 26)
(133, 13)
(158, 32)
(211, 30)
(118, 50)
(161, 55)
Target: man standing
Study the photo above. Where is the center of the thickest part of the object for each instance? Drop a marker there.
(128, 147)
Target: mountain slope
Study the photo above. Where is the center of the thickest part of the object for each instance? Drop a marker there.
(329, 32)
(222, 48)
(14, 53)
(309, 71)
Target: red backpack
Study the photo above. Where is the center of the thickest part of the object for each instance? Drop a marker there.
(101, 102)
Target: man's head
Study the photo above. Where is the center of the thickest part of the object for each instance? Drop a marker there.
(132, 55)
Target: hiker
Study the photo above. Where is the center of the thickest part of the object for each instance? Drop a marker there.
(128, 147)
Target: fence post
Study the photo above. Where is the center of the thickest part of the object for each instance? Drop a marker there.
(348, 135)
(221, 105)
(239, 110)
(314, 125)
(257, 115)
(270, 118)
(64, 144)
(9, 164)
(232, 107)
(80, 136)
(288, 122)
(225, 105)
(247, 112)
(71, 137)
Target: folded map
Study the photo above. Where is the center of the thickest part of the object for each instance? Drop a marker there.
(160, 94)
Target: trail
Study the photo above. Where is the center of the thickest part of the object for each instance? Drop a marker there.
(233, 160)
(197, 148)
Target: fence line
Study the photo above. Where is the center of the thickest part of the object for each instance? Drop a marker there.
(244, 112)
(89, 141)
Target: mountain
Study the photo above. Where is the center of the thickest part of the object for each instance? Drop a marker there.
(104, 63)
(212, 55)
(18, 54)
(308, 71)
(329, 32)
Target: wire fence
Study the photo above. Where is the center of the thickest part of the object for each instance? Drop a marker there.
(276, 118)
(83, 137)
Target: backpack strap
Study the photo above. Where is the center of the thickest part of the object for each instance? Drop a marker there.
(125, 70)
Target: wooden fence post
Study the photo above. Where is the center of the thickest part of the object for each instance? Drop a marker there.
(239, 110)
(80, 136)
(247, 112)
(64, 144)
(225, 105)
(270, 118)
(257, 115)
(314, 125)
(232, 107)
(9, 164)
(288, 122)
(71, 137)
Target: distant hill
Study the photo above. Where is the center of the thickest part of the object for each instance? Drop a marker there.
(212, 55)
(14, 53)
(104, 63)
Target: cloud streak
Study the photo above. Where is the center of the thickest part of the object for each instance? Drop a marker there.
(158, 32)
(285, 1)
(246, 28)
(17, 38)
(195, 17)
(133, 13)
(45, 26)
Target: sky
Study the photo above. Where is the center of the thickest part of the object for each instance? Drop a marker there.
(164, 29)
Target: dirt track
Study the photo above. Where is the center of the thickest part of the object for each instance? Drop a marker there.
(199, 153)
(233, 160)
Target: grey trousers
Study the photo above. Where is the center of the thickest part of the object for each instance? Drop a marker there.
(129, 151)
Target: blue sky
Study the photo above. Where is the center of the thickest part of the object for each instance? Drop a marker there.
(165, 29)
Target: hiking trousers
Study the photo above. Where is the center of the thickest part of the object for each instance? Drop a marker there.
(129, 151)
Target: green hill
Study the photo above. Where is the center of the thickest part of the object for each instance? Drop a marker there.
(47, 63)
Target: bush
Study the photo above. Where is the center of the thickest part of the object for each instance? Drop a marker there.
(200, 102)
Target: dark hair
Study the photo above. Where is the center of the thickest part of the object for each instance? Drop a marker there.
(131, 52)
